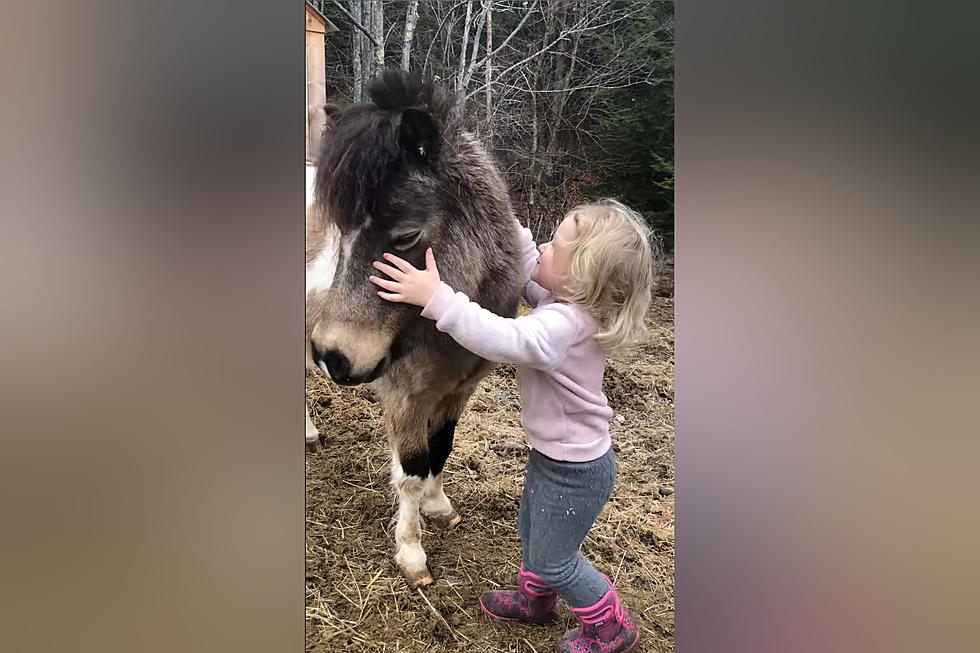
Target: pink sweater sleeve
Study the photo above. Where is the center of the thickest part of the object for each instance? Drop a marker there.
(540, 340)
(533, 293)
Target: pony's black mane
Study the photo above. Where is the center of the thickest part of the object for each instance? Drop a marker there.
(395, 90)
(368, 147)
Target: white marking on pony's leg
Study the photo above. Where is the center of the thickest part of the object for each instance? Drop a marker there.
(435, 501)
(312, 435)
(436, 505)
(409, 554)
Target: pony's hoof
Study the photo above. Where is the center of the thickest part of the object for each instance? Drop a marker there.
(446, 521)
(314, 446)
(416, 577)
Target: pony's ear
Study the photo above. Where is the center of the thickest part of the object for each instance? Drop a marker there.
(330, 114)
(419, 136)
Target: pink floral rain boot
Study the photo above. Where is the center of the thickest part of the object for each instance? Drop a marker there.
(606, 628)
(532, 602)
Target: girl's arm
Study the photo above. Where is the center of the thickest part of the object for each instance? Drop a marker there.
(540, 340)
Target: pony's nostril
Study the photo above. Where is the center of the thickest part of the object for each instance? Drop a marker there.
(337, 365)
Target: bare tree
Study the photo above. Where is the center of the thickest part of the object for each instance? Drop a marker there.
(489, 123)
(475, 49)
(356, 47)
(378, 29)
(411, 20)
(367, 53)
(538, 90)
(368, 47)
(466, 38)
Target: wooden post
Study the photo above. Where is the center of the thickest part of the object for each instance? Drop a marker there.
(316, 94)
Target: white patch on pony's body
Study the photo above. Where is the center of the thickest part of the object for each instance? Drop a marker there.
(310, 181)
(320, 272)
(347, 242)
(312, 435)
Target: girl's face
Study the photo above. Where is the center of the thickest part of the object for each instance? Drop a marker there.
(550, 272)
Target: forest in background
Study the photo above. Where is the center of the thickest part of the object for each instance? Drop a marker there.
(574, 98)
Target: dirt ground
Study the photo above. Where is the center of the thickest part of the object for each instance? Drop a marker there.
(355, 599)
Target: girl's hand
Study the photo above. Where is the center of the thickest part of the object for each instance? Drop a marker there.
(408, 285)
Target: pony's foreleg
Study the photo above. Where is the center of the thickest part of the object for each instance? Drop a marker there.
(435, 504)
(409, 470)
(312, 435)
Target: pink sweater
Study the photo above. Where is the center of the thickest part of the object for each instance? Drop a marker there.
(559, 373)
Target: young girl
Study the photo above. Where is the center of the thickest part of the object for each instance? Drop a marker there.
(590, 289)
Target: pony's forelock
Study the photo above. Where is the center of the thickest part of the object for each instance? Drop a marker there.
(367, 145)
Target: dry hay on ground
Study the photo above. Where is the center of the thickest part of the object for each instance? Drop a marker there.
(355, 599)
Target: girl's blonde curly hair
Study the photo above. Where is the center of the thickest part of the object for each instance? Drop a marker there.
(610, 273)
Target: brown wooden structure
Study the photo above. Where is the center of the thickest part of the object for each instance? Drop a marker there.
(317, 26)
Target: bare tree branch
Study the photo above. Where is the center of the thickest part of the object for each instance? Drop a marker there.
(435, 34)
(506, 41)
(466, 38)
(564, 34)
(476, 46)
(355, 22)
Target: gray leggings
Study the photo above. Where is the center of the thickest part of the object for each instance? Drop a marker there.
(560, 502)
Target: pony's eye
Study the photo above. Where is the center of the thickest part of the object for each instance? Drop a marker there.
(406, 240)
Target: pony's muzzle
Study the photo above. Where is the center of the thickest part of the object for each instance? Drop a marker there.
(337, 366)
(350, 355)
